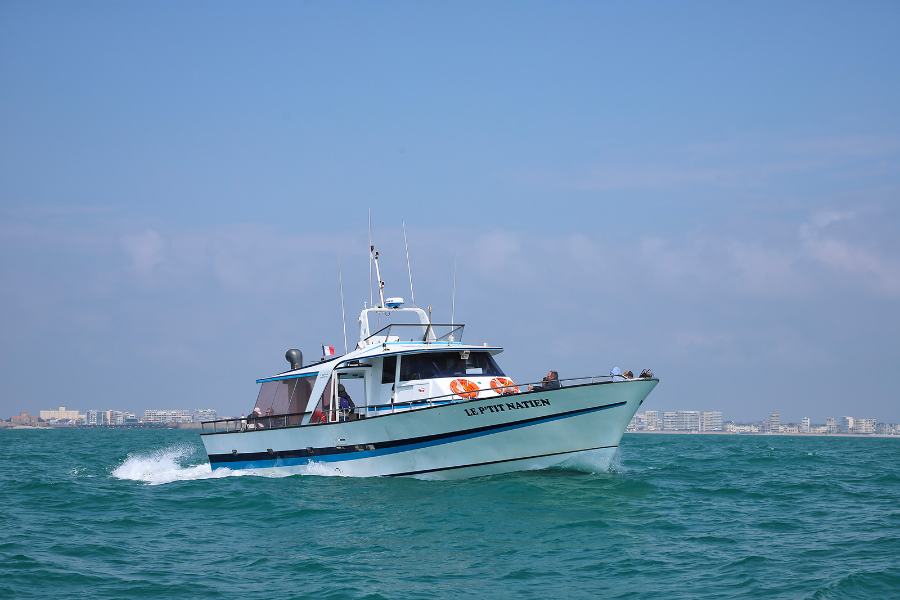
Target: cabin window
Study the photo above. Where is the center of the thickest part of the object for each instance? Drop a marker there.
(389, 368)
(324, 406)
(284, 396)
(429, 365)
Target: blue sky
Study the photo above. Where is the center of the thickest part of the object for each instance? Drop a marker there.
(706, 189)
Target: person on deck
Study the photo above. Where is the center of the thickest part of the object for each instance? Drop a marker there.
(255, 415)
(550, 382)
(344, 402)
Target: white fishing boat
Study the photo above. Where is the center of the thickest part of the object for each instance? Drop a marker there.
(430, 406)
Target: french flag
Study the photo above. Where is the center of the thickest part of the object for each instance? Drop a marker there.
(327, 350)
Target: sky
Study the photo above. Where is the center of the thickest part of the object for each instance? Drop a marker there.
(710, 190)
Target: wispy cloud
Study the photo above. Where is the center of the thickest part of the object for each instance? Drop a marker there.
(850, 259)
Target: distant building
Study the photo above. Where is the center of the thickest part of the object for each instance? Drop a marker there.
(742, 427)
(651, 417)
(167, 416)
(61, 415)
(23, 419)
(204, 414)
(669, 421)
(688, 420)
(831, 425)
(711, 421)
(886, 429)
(804, 425)
(864, 426)
(97, 417)
(846, 425)
(775, 422)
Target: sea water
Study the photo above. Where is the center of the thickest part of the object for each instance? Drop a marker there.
(139, 514)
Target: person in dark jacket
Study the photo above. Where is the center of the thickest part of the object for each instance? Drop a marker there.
(344, 402)
(550, 382)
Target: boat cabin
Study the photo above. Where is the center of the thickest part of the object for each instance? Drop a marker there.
(399, 367)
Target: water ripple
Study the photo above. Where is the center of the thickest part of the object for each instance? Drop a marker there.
(132, 514)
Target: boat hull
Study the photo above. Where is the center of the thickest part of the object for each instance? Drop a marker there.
(532, 430)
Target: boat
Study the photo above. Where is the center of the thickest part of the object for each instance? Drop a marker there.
(431, 407)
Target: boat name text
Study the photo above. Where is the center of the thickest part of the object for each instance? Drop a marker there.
(507, 406)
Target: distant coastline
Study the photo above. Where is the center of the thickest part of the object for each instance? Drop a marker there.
(97, 427)
(779, 434)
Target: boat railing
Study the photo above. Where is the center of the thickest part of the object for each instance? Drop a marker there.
(237, 425)
(417, 332)
(453, 398)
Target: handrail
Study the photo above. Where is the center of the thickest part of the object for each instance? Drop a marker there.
(429, 329)
(271, 421)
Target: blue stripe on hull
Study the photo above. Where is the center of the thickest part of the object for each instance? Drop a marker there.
(336, 458)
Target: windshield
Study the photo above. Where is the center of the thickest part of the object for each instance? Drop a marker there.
(429, 365)
(284, 396)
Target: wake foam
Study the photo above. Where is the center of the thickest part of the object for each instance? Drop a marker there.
(322, 470)
(180, 463)
(173, 464)
(165, 466)
(603, 460)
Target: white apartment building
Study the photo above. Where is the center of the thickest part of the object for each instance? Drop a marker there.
(710, 421)
(669, 421)
(651, 418)
(688, 420)
(97, 417)
(864, 426)
(692, 420)
(204, 414)
(804, 425)
(167, 416)
(846, 425)
(775, 422)
(831, 425)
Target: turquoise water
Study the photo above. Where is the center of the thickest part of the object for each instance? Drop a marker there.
(138, 514)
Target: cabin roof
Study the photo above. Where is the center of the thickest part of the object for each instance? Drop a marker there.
(378, 351)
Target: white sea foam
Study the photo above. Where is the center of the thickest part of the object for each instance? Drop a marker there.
(173, 464)
(322, 469)
(603, 460)
(165, 466)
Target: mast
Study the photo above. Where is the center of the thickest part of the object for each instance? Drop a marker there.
(378, 275)
(453, 306)
(343, 316)
(408, 269)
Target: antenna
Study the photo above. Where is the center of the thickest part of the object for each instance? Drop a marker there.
(343, 318)
(408, 269)
(380, 282)
(371, 248)
(453, 309)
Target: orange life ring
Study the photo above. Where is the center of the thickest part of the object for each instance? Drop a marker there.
(464, 388)
(318, 417)
(504, 386)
